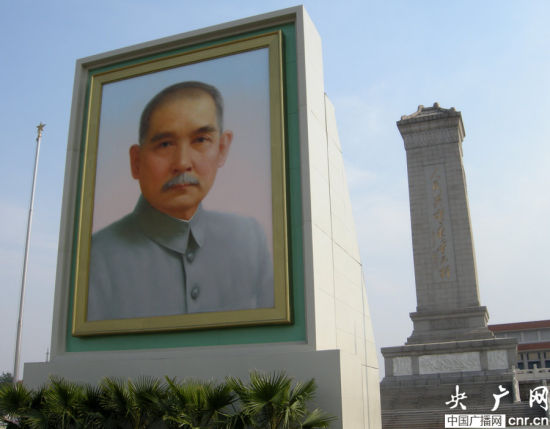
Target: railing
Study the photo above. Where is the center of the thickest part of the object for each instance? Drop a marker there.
(534, 374)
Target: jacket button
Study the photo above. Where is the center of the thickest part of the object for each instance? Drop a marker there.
(195, 292)
(190, 256)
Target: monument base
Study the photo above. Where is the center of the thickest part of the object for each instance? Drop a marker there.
(343, 382)
(420, 378)
(421, 402)
(450, 357)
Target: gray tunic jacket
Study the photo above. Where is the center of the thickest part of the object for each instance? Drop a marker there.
(150, 264)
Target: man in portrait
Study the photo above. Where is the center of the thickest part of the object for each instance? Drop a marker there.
(170, 255)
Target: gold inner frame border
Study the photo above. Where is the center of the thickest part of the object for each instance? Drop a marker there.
(280, 313)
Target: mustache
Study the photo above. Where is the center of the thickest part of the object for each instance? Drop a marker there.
(181, 179)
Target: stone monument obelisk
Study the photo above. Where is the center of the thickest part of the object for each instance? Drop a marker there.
(447, 293)
(450, 342)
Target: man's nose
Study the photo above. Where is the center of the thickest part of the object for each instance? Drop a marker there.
(182, 157)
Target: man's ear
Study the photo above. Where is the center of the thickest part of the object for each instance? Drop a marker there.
(225, 143)
(134, 160)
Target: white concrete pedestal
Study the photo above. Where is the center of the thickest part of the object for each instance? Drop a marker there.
(342, 387)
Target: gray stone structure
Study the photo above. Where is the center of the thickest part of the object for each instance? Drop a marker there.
(450, 344)
(448, 307)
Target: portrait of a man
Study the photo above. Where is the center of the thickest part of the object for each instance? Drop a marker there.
(170, 255)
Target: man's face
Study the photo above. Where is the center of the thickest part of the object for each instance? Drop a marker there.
(183, 137)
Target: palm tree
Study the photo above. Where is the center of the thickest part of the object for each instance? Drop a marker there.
(198, 405)
(132, 405)
(62, 400)
(15, 401)
(92, 414)
(270, 401)
(317, 419)
(147, 396)
(115, 401)
(267, 402)
(23, 408)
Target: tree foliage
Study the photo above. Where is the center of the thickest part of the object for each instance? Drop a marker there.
(6, 377)
(267, 401)
(270, 401)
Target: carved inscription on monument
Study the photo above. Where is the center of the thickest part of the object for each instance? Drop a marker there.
(442, 254)
(449, 362)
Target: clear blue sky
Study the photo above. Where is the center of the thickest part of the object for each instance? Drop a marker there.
(490, 60)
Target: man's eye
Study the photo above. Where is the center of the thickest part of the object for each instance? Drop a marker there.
(201, 139)
(164, 144)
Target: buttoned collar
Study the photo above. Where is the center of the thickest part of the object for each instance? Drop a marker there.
(175, 234)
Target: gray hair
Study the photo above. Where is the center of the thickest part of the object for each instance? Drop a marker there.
(174, 91)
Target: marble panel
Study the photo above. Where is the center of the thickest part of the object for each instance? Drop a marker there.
(451, 362)
(402, 365)
(497, 359)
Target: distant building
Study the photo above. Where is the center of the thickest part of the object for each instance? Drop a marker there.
(532, 368)
(533, 342)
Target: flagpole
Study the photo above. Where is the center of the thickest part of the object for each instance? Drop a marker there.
(39, 129)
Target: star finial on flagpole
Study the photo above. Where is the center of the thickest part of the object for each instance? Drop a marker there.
(40, 128)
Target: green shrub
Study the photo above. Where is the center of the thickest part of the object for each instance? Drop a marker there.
(267, 401)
